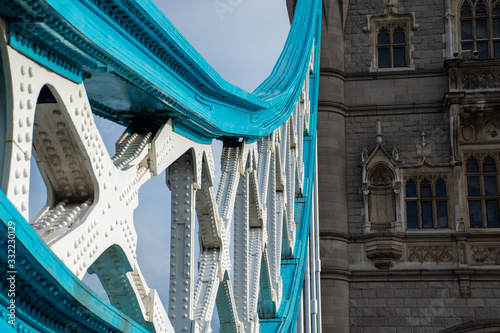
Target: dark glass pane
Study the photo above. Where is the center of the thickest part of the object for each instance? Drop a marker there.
(473, 187)
(481, 9)
(383, 37)
(490, 185)
(481, 29)
(496, 10)
(489, 165)
(475, 214)
(497, 49)
(411, 189)
(384, 59)
(483, 50)
(466, 46)
(472, 165)
(399, 57)
(411, 215)
(442, 214)
(425, 189)
(399, 36)
(466, 30)
(496, 27)
(492, 214)
(440, 189)
(426, 214)
(466, 12)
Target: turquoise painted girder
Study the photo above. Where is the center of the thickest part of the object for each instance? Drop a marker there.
(293, 270)
(184, 87)
(48, 297)
(131, 46)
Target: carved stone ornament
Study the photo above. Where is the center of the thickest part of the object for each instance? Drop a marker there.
(365, 188)
(468, 131)
(424, 150)
(364, 154)
(480, 127)
(396, 187)
(486, 79)
(465, 288)
(395, 153)
(437, 254)
(384, 253)
(485, 255)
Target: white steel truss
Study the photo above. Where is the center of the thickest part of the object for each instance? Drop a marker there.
(88, 219)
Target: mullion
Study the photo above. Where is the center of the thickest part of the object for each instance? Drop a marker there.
(495, 38)
(483, 196)
(487, 39)
(495, 197)
(491, 48)
(474, 39)
(391, 47)
(434, 205)
(419, 206)
(478, 196)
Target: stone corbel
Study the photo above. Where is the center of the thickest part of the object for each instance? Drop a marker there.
(462, 253)
(396, 187)
(464, 280)
(384, 252)
(365, 188)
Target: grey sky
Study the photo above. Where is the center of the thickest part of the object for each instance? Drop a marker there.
(241, 39)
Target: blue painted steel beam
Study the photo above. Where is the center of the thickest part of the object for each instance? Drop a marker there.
(105, 41)
(293, 270)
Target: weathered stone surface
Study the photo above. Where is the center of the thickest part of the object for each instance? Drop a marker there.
(430, 119)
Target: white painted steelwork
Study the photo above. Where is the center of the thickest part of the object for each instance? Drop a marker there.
(88, 219)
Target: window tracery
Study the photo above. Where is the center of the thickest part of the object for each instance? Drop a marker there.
(483, 196)
(426, 202)
(391, 33)
(392, 45)
(479, 27)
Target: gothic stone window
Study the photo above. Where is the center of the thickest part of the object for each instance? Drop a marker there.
(426, 203)
(483, 192)
(480, 27)
(392, 45)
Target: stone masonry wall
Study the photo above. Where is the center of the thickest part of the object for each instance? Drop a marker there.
(428, 42)
(400, 131)
(413, 307)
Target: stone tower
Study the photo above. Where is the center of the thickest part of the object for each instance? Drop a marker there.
(409, 160)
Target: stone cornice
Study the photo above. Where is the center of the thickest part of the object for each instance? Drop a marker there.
(400, 74)
(416, 275)
(334, 235)
(329, 106)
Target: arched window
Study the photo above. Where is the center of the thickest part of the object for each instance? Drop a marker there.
(480, 27)
(426, 204)
(392, 46)
(483, 193)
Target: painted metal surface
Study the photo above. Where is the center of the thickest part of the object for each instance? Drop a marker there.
(154, 72)
(56, 59)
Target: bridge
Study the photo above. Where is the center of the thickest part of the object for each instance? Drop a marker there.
(248, 249)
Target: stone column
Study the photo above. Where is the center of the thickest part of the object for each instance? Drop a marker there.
(332, 173)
